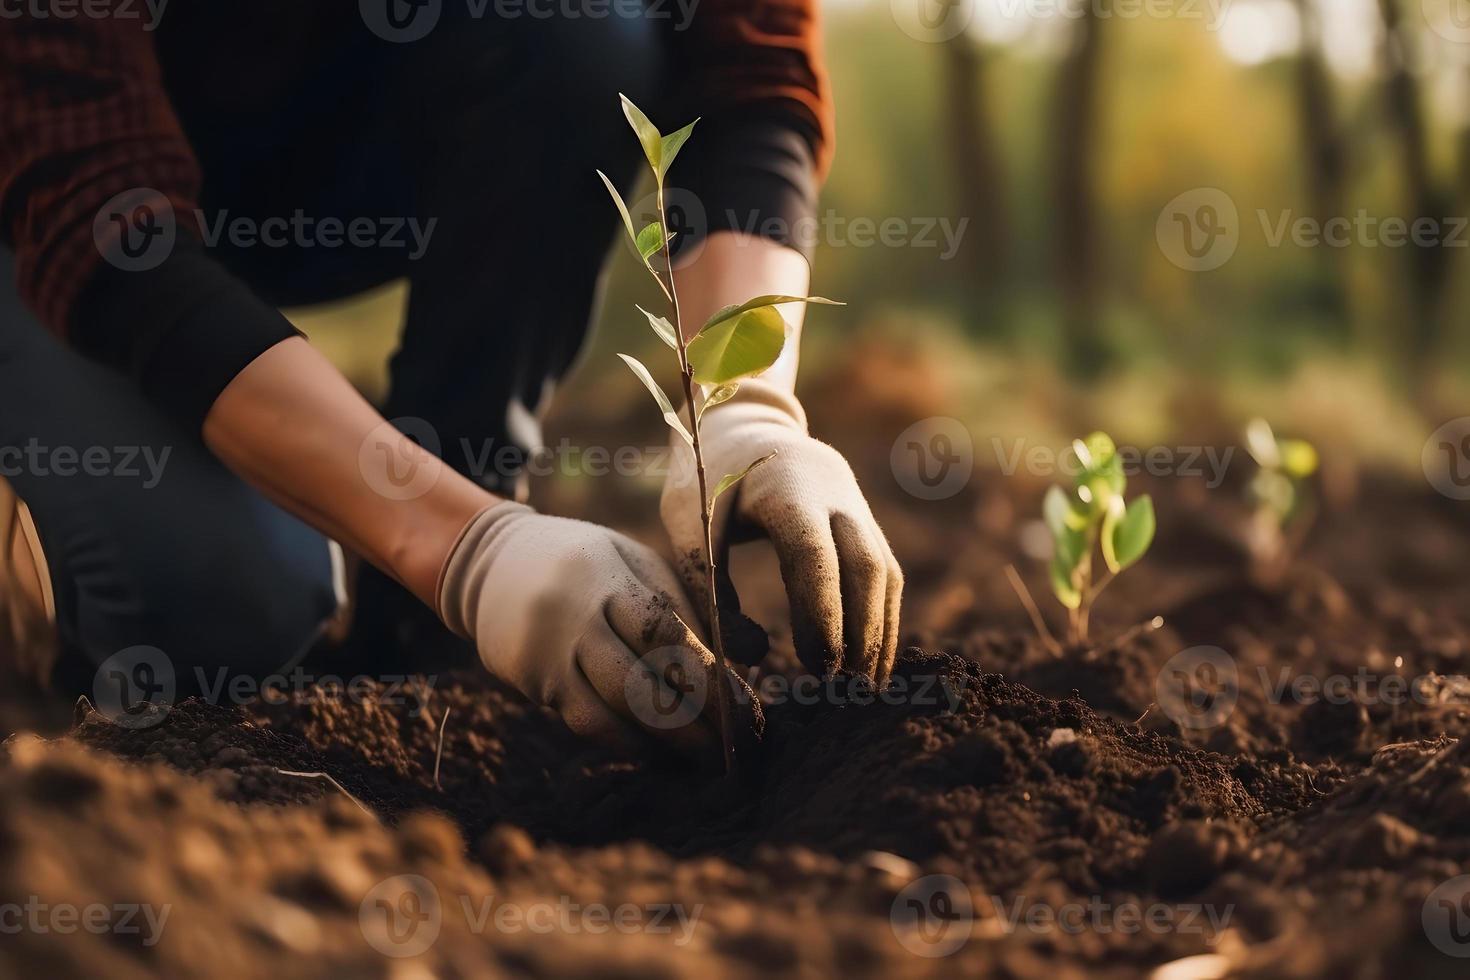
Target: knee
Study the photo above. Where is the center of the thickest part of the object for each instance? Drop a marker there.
(247, 606)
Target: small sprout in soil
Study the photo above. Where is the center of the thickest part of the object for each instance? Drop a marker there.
(1089, 516)
(738, 342)
(1280, 496)
(331, 780)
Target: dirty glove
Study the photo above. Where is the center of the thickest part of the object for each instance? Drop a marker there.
(563, 610)
(841, 579)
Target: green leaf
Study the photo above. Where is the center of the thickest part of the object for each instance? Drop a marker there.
(1056, 511)
(717, 395)
(730, 479)
(758, 302)
(622, 208)
(737, 347)
(647, 132)
(1116, 511)
(666, 406)
(662, 327)
(1096, 450)
(1068, 548)
(649, 240)
(669, 148)
(1061, 585)
(1130, 535)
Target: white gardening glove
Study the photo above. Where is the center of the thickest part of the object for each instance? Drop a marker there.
(562, 610)
(842, 581)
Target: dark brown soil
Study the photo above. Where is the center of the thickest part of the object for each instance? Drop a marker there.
(1291, 839)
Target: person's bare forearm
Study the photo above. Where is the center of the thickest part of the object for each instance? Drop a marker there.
(291, 425)
(731, 268)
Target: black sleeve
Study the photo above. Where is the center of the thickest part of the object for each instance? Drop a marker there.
(182, 330)
(751, 170)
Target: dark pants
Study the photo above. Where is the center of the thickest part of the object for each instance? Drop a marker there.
(489, 128)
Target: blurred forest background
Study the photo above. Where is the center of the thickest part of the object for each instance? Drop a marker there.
(1063, 131)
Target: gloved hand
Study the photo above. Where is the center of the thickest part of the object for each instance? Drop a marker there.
(563, 610)
(841, 579)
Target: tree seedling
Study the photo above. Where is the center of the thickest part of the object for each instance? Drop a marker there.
(1282, 509)
(1093, 516)
(738, 342)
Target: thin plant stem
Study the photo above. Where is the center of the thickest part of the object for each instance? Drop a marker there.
(439, 753)
(727, 715)
(340, 788)
(1024, 594)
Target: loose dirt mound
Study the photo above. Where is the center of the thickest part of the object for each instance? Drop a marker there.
(1030, 815)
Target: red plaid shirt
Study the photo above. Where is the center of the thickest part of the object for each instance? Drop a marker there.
(84, 116)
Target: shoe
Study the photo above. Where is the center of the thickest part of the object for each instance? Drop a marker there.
(28, 638)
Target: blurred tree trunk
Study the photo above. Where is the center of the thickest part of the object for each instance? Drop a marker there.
(1428, 265)
(978, 172)
(1074, 227)
(1325, 152)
